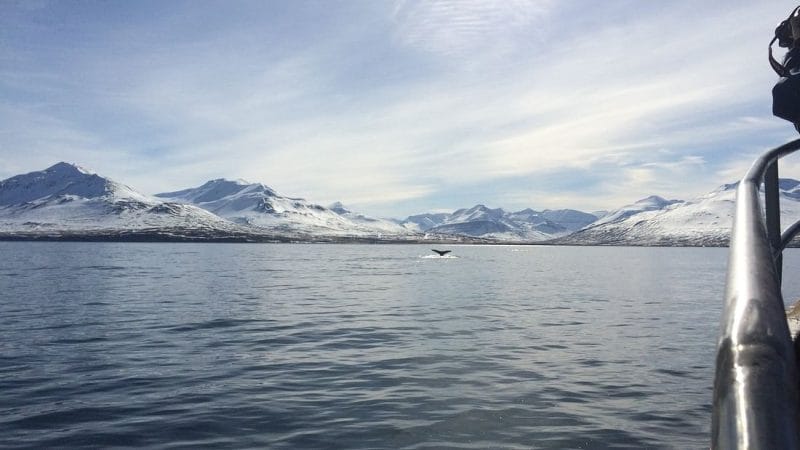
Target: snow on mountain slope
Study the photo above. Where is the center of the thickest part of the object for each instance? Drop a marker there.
(484, 222)
(66, 197)
(652, 203)
(422, 222)
(382, 225)
(705, 220)
(570, 219)
(61, 179)
(257, 205)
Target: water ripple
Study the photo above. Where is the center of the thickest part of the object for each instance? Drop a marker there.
(338, 346)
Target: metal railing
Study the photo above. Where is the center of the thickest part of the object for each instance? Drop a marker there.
(756, 379)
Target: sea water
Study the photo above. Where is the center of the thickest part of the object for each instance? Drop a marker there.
(358, 346)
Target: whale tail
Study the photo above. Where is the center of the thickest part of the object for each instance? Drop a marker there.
(441, 252)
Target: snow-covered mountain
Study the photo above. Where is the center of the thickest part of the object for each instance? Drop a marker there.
(706, 220)
(66, 198)
(257, 205)
(652, 203)
(480, 221)
(68, 201)
(424, 222)
(381, 225)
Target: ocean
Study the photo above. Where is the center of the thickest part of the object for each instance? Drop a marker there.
(111, 345)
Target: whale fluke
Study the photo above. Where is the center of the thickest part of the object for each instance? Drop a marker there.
(441, 252)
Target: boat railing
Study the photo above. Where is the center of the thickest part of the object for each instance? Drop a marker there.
(756, 379)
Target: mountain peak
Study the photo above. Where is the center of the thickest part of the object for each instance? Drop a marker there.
(219, 188)
(339, 208)
(237, 182)
(67, 168)
(652, 199)
(485, 209)
(656, 201)
(57, 180)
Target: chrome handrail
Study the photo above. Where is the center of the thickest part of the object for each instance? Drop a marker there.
(756, 379)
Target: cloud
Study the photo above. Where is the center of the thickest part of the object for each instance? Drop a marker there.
(466, 28)
(735, 168)
(409, 107)
(23, 127)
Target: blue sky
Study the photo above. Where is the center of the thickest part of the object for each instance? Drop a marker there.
(395, 107)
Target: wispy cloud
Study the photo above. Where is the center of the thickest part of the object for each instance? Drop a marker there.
(466, 28)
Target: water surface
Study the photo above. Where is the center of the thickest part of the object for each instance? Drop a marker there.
(357, 346)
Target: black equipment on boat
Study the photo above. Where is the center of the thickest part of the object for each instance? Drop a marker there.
(786, 93)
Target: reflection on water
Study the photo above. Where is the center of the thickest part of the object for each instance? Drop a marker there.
(356, 346)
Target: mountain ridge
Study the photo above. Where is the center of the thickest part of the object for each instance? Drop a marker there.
(703, 221)
(496, 223)
(69, 199)
(259, 206)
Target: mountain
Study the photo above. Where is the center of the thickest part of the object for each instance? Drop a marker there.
(652, 203)
(381, 225)
(66, 201)
(481, 221)
(258, 206)
(424, 222)
(66, 198)
(706, 220)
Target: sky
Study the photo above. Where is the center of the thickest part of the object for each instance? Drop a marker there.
(396, 107)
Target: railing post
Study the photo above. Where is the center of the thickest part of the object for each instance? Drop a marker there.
(772, 210)
(756, 380)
